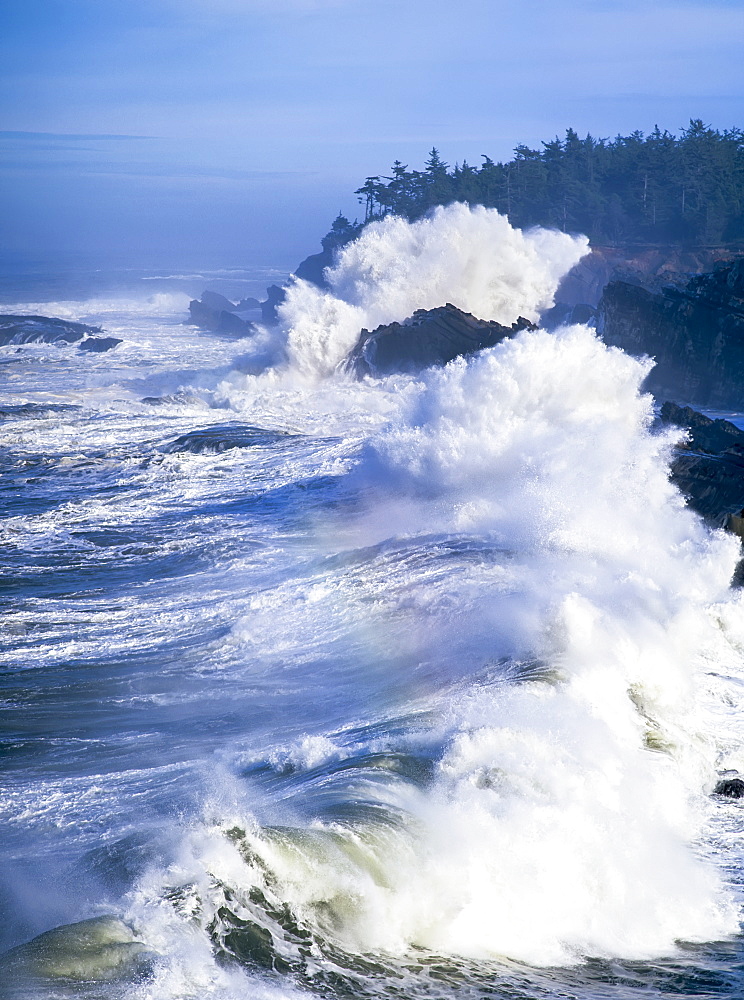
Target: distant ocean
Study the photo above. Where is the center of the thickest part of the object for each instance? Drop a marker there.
(313, 686)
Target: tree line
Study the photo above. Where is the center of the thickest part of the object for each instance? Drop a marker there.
(654, 189)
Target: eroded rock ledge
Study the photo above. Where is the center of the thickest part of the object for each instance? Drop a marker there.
(429, 337)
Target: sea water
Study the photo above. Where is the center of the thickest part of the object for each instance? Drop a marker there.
(403, 687)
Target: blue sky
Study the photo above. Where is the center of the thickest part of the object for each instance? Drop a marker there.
(212, 130)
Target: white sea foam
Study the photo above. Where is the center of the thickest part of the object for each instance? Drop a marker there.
(564, 809)
(471, 257)
(106, 309)
(564, 813)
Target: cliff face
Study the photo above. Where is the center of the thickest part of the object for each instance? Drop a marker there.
(695, 333)
(709, 467)
(653, 267)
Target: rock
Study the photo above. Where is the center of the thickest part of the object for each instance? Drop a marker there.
(216, 302)
(219, 438)
(582, 312)
(714, 487)
(650, 267)
(696, 334)
(97, 345)
(706, 434)
(731, 788)
(709, 468)
(216, 313)
(341, 233)
(228, 322)
(563, 314)
(245, 304)
(203, 316)
(45, 329)
(313, 268)
(274, 297)
(429, 337)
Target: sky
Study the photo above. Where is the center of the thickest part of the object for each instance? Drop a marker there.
(199, 132)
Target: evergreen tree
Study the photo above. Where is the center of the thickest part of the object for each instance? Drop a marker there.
(632, 189)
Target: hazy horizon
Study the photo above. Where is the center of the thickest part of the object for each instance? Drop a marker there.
(216, 131)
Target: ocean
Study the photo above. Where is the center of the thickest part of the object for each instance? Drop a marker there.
(318, 686)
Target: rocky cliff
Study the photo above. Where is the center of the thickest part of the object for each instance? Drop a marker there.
(652, 267)
(709, 467)
(695, 333)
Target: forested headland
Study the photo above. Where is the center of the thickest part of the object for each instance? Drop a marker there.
(656, 189)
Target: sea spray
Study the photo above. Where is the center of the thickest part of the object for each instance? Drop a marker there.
(547, 807)
(471, 257)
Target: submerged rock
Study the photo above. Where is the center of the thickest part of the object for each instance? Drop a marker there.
(42, 329)
(223, 437)
(695, 333)
(429, 337)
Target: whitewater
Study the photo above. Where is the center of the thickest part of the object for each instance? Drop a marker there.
(415, 686)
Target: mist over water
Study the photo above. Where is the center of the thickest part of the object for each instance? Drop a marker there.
(415, 686)
(470, 257)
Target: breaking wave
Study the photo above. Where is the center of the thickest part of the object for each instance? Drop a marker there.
(471, 257)
(447, 668)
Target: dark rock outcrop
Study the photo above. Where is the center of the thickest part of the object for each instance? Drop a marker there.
(97, 345)
(709, 468)
(275, 295)
(216, 302)
(341, 233)
(429, 337)
(245, 304)
(562, 314)
(216, 313)
(696, 334)
(312, 268)
(706, 433)
(730, 788)
(45, 329)
(651, 267)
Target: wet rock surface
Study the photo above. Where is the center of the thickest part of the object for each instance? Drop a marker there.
(709, 467)
(42, 329)
(313, 268)
(216, 313)
(730, 788)
(695, 333)
(97, 345)
(429, 337)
